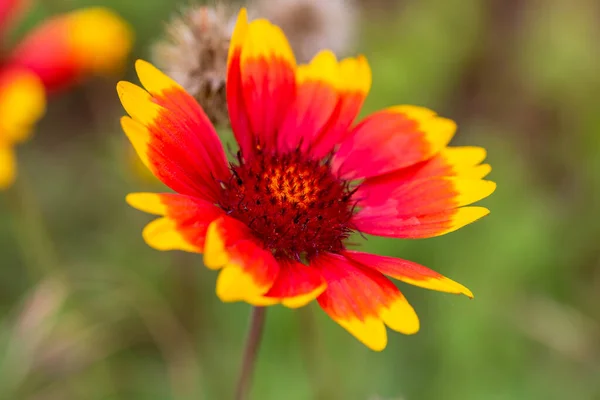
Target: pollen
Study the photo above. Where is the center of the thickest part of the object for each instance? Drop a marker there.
(295, 206)
(292, 186)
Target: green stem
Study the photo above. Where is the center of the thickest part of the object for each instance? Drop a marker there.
(257, 323)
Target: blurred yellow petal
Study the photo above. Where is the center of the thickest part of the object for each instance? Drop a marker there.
(100, 39)
(68, 46)
(22, 104)
(7, 166)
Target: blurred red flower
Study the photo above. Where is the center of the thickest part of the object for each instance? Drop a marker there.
(54, 55)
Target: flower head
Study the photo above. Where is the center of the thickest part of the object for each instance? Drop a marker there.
(52, 56)
(275, 221)
(194, 54)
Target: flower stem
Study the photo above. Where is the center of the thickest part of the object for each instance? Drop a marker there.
(257, 322)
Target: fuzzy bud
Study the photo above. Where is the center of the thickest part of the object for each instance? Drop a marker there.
(194, 54)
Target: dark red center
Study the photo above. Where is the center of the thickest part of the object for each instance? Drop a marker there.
(297, 207)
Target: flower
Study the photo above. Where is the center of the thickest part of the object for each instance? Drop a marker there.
(275, 222)
(51, 57)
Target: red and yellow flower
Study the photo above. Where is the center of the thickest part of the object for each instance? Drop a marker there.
(51, 57)
(275, 222)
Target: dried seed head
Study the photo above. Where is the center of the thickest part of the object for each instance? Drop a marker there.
(194, 50)
(194, 53)
(312, 25)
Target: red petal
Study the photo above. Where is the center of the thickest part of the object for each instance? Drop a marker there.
(421, 196)
(63, 48)
(267, 67)
(420, 208)
(248, 270)
(184, 223)
(172, 135)
(46, 51)
(362, 300)
(262, 71)
(463, 162)
(385, 222)
(240, 121)
(409, 272)
(392, 139)
(10, 10)
(296, 285)
(316, 100)
(353, 86)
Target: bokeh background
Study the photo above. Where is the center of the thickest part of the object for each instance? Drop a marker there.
(88, 311)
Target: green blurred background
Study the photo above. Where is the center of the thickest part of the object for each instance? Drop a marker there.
(88, 311)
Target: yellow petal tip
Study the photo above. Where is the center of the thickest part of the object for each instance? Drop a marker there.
(163, 234)
(302, 300)
(215, 254)
(370, 331)
(401, 317)
(235, 284)
(147, 202)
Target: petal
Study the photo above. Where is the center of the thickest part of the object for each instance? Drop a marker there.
(238, 116)
(183, 225)
(247, 269)
(170, 95)
(408, 272)
(139, 104)
(267, 78)
(10, 10)
(392, 139)
(8, 166)
(172, 135)
(315, 102)
(63, 48)
(22, 104)
(152, 203)
(387, 224)
(354, 84)
(296, 285)
(421, 196)
(463, 162)
(223, 234)
(164, 234)
(362, 301)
